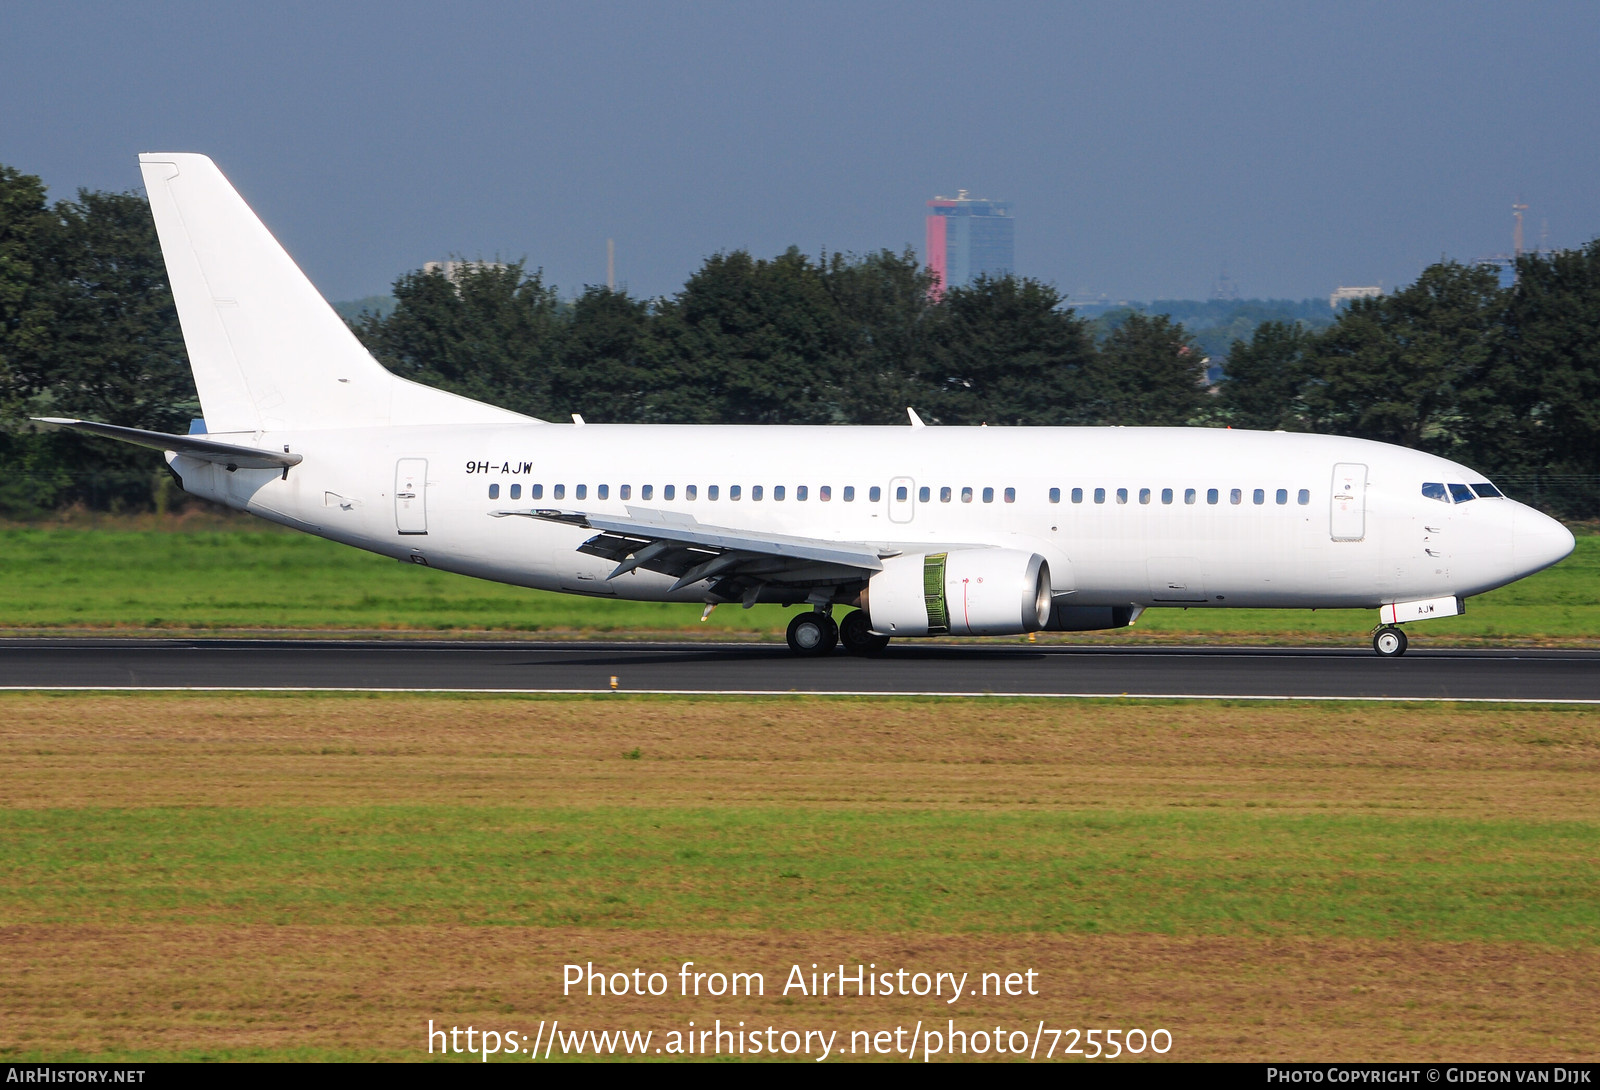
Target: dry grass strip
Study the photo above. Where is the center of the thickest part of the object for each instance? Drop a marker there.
(369, 992)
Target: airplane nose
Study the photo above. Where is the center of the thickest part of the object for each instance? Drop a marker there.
(1537, 540)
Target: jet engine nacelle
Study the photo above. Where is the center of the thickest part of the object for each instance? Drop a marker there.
(968, 592)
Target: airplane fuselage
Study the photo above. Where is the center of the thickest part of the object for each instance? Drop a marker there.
(1124, 516)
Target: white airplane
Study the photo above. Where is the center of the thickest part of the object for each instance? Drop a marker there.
(928, 531)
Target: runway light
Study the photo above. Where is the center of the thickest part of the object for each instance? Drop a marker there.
(613, 681)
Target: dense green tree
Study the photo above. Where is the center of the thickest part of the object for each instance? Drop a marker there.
(884, 321)
(23, 221)
(492, 332)
(1394, 368)
(110, 349)
(1006, 352)
(750, 341)
(1535, 412)
(605, 370)
(30, 480)
(1148, 372)
(1267, 378)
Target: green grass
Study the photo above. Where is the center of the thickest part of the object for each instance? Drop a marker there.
(790, 869)
(255, 578)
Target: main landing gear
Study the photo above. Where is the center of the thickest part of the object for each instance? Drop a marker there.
(1389, 642)
(814, 633)
(855, 632)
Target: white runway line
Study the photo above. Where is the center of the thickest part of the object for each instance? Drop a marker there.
(781, 692)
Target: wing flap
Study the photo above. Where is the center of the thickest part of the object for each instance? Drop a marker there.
(623, 536)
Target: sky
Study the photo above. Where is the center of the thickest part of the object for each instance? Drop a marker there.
(1147, 146)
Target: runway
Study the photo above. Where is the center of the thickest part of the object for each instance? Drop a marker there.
(908, 668)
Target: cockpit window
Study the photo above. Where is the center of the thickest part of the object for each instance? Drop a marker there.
(1487, 490)
(1461, 493)
(1435, 491)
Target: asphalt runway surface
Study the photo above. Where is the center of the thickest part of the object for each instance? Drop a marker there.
(974, 669)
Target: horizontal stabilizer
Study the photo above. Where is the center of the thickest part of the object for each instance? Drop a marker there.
(194, 446)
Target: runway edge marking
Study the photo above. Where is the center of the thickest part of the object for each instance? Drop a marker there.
(782, 692)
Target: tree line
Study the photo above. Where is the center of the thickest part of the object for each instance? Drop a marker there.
(1504, 380)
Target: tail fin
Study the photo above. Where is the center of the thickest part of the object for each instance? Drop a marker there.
(267, 350)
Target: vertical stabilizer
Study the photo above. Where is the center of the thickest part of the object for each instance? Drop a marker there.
(267, 350)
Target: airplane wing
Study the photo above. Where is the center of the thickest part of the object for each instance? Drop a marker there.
(743, 561)
(195, 446)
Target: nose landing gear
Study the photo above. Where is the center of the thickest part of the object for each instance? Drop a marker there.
(1389, 642)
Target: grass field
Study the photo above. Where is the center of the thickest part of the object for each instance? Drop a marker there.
(223, 575)
(254, 876)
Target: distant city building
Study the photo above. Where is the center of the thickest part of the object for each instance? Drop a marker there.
(1345, 295)
(969, 237)
(1224, 290)
(451, 270)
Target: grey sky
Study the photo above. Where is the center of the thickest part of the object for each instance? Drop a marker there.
(1146, 145)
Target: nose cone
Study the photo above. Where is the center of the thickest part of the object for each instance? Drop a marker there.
(1537, 541)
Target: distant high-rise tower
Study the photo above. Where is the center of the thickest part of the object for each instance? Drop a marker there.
(969, 237)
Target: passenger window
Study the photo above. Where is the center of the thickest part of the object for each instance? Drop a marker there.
(924, 494)
(537, 491)
(1099, 495)
(559, 492)
(602, 491)
(1189, 495)
(1487, 490)
(777, 493)
(1434, 490)
(825, 493)
(734, 491)
(1259, 496)
(900, 494)
(494, 492)
(800, 492)
(988, 495)
(1461, 493)
(1122, 495)
(966, 494)
(944, 494)
(668, 491)
(1011, 495)
(645, 491)
(690, 491)
(1077, 495)
(1166, 495)
(755, 493)
(1211, 495)
(1305, 496)
(624, 491)
(1236, 495)
(1144, 495)
(1282, 496)
(516, 491)
(582, 492)
(711, 492)
(1055, 495)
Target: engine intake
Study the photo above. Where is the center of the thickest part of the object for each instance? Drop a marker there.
(969, 592)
